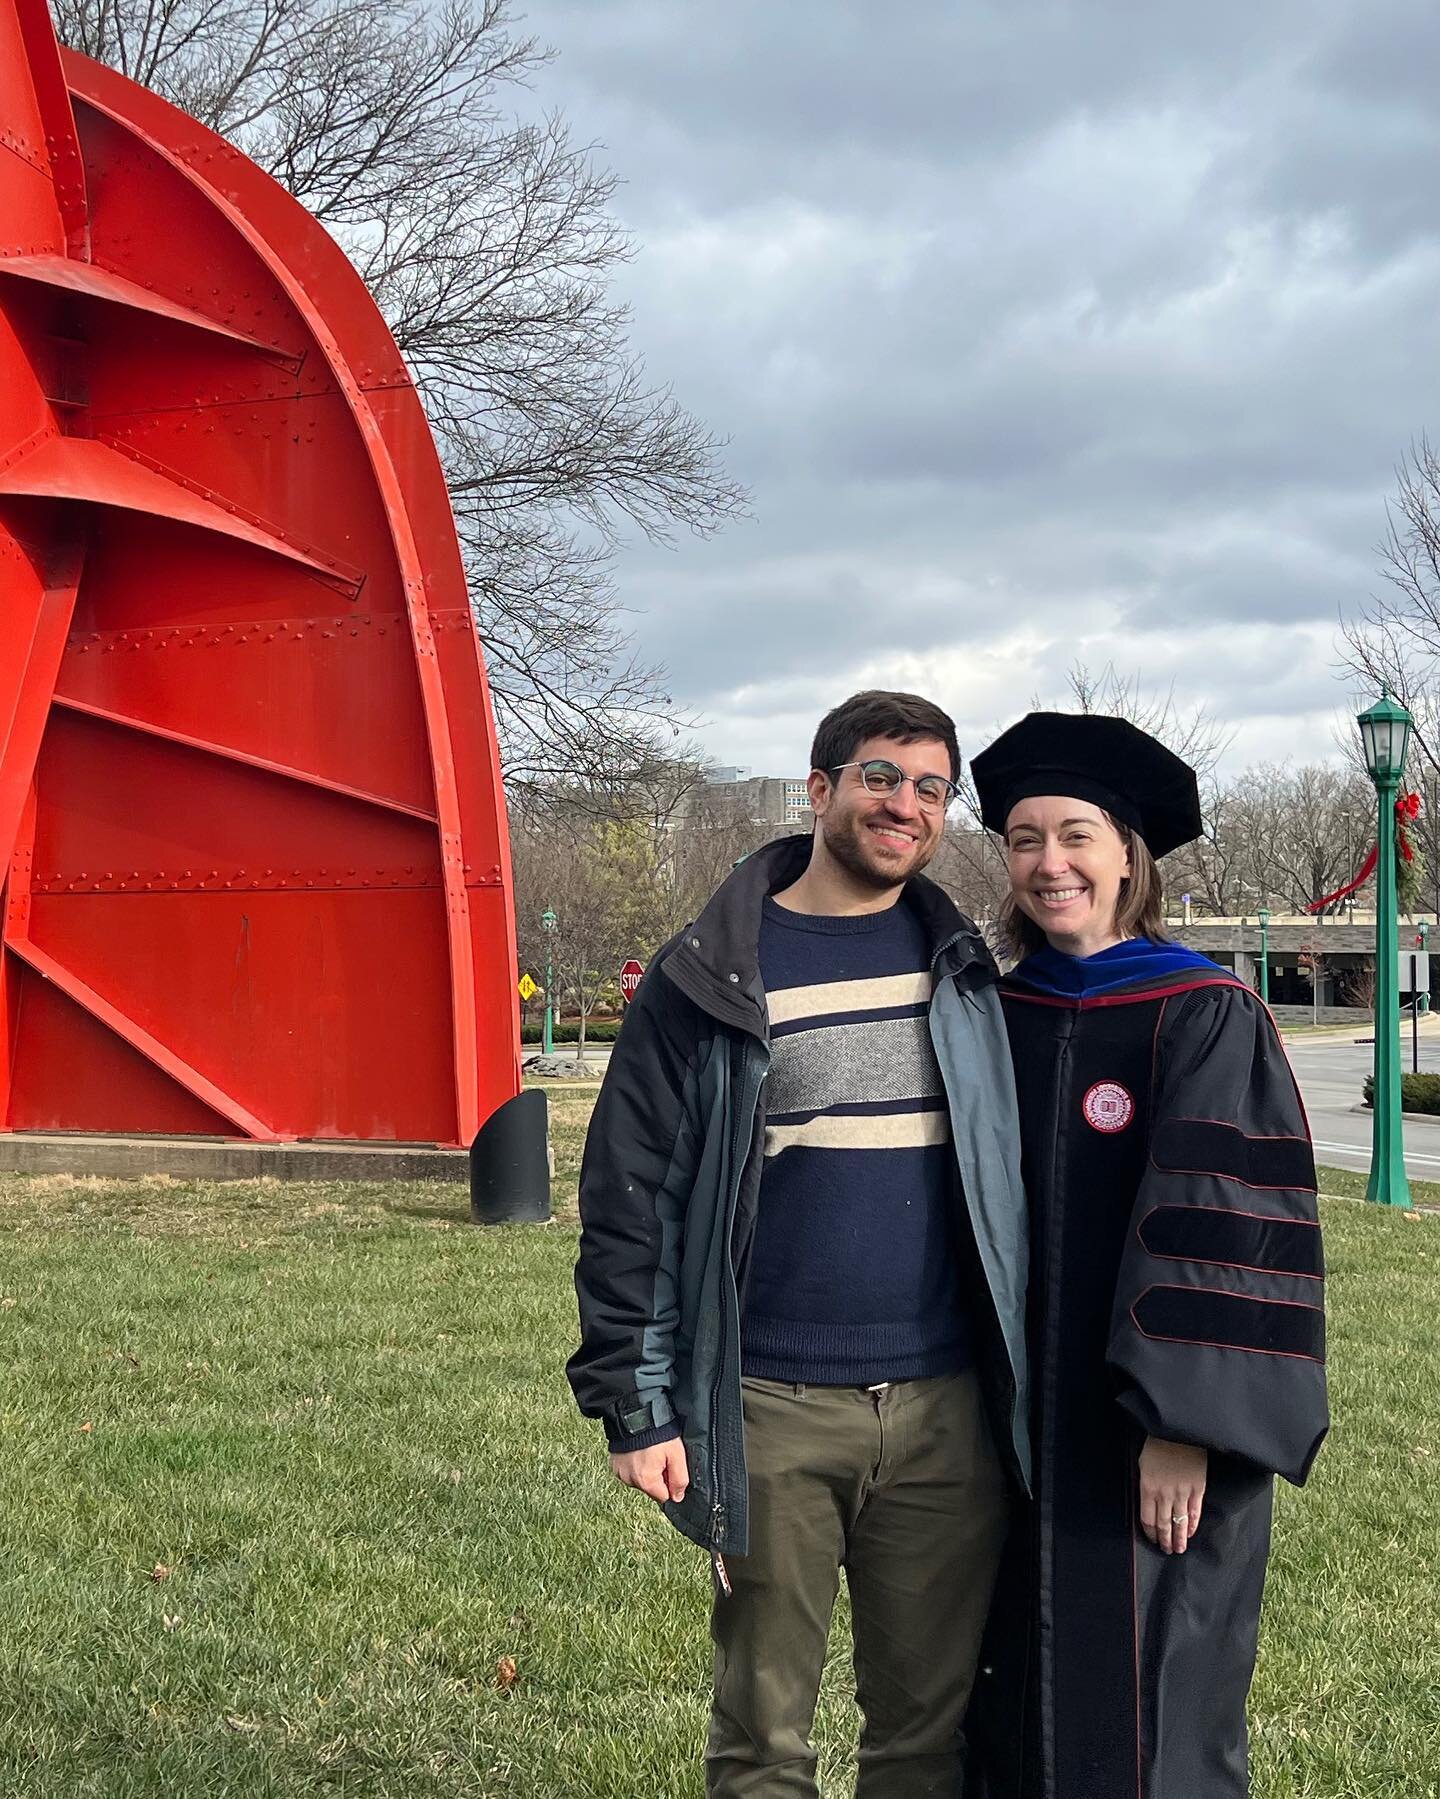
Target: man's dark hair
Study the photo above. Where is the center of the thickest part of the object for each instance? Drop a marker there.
(904, 716)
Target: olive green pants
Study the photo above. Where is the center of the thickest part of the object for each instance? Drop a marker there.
(902, 1488)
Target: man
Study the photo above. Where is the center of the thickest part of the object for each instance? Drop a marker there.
(803, 1256)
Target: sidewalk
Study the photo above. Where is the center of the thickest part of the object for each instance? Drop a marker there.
(1363, 1027)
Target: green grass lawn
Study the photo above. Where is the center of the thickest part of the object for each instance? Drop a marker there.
(291, 1481)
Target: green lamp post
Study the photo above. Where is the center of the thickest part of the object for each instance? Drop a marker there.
(548, 922)
(1385, 734)
(1264, 916)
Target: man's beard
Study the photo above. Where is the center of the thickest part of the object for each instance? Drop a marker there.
(847, 844)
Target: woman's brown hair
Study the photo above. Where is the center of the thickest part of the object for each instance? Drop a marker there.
(1138, 910)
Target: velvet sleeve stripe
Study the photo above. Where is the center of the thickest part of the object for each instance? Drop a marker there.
(1233, 1240)
(1205, 1315)
(1208, 1146)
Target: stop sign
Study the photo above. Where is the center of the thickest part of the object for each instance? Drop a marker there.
(630, 978)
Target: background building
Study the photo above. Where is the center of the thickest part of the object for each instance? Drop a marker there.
(1315, 963)
(757, 799)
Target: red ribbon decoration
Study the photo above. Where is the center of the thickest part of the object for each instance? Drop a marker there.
(1407, 810)
(1344, 892)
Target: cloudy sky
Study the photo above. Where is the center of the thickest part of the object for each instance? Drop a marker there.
(1040, 331)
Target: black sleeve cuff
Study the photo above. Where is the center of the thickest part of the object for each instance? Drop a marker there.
(645, 1439)
(636, 1423)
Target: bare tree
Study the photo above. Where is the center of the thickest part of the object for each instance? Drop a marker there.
(598, 879)
(1276, 835)
(1425, 780)
(707, 840)
(1217, 867)
(1306, 829)
(1358, 988)
(1315, 962)
(1193, 733)
(1394, 638)
(972, 867)
(489, 245)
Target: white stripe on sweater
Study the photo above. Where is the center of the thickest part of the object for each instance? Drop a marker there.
(883, 1130)
(877, 995)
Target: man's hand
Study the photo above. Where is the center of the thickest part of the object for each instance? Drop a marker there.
(1172, 1493)
(661, 1471)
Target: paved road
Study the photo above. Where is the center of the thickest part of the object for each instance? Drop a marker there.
(1331, 1072)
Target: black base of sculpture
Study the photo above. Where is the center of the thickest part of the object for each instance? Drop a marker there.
(510, 1163)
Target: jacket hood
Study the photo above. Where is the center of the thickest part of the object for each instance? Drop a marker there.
(716, 960)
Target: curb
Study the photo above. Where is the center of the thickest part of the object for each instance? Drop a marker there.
(1358, 1199)
(222, 1159)
(1408, 1117)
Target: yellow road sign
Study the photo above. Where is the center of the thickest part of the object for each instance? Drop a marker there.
(528, 988)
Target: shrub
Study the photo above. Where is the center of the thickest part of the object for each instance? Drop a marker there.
(1418, 1092)
(599, 1030)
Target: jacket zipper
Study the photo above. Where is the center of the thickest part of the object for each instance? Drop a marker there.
(718, 1511)
(722, 1574)
(948, 944)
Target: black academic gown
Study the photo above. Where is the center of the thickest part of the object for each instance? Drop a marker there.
(1176, 1292)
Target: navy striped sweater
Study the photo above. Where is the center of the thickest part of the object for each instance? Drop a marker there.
(854, 1276)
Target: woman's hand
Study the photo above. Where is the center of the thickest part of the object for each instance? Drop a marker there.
(1172, 1493)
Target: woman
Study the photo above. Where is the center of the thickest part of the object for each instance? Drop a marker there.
(1177, 1331)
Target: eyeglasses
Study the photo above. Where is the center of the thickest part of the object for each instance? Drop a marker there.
(933, 792)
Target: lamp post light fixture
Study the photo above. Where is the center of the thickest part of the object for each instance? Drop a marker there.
(1385, 735)
(1264, 917)
(548, 922)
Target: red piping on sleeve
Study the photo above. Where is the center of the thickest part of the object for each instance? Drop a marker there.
(1279, 1274)
(1214, 1174)
(1230, 1125)
(1155, 1054)
(1289, 1355)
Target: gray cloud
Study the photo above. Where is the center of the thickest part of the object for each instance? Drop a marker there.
(1036, 328)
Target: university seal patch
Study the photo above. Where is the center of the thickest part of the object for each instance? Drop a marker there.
(1108, 1107)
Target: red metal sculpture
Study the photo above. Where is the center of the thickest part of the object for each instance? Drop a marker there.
(250, 806)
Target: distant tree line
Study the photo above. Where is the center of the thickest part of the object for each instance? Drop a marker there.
(626, 864)
(1276, 834)
(622, 865)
